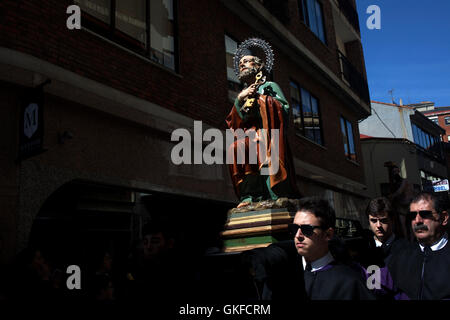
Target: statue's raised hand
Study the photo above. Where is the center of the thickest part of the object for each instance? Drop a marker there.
(247, 92)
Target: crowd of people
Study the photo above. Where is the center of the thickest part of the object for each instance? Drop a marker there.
(314, 265)
(149, 271)
(317, 266)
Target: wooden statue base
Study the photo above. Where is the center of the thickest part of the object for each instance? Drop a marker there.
(256, 229)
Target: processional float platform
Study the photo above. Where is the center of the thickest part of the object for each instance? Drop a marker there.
(256, 229)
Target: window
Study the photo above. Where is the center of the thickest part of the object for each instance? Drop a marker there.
(130, 19)
(424, 139)
(144, 26)
(305, 108)
(234, 86)
(348, 139)
(447, 121)
(99, 9)
(427, 141)
(312, 15)
(416, 135)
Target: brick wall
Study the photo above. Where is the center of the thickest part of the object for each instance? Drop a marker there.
(200, 89)
(325, 52)
(9, 178)
(331, 156)
(441, 120)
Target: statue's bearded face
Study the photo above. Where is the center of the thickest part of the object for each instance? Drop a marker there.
(248, 68)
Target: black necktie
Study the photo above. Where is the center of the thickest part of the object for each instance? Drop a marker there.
(426, 254)
(309, 278)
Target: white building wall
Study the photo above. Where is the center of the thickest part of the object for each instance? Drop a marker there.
(388, 121)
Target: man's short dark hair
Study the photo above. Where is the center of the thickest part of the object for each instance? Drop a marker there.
(438, 204)
(320, 208)
(379, 205)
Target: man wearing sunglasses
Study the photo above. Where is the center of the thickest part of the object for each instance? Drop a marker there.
(324, 277)
(422, 272)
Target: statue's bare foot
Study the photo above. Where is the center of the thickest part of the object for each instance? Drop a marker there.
(243, 204)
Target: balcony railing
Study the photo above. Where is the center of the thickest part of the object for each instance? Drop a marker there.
(350, 13)
(435, 152)
(353, 78)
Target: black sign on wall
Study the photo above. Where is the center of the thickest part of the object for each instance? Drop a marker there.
(31, 123)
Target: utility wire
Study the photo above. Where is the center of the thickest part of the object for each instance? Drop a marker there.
(384, 124)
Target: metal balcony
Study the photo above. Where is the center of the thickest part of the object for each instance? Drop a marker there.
(278, 9)
(353, 78)
(349, 12)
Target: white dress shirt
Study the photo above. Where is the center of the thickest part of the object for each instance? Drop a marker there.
(319, 263)
(438, 245)
(388, 242)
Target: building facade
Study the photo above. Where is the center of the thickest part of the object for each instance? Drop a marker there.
(88, 114)
(440, 116)
(404, 136)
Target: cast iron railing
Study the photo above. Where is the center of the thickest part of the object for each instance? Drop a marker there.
(278, 8)
(350, 13)
(354, 79)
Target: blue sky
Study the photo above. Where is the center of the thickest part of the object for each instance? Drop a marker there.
(410, 53)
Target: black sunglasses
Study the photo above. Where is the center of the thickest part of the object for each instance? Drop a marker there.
(307, 229)
(424, 214)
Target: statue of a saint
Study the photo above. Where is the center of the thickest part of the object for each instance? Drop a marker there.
(260, 108)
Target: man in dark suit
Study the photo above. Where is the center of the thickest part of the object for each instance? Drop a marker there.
(421, 273)
(383, 245)
(324, 277)
(305, 268)
(382, 223)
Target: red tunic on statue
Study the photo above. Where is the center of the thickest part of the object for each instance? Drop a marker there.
(271, 113)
